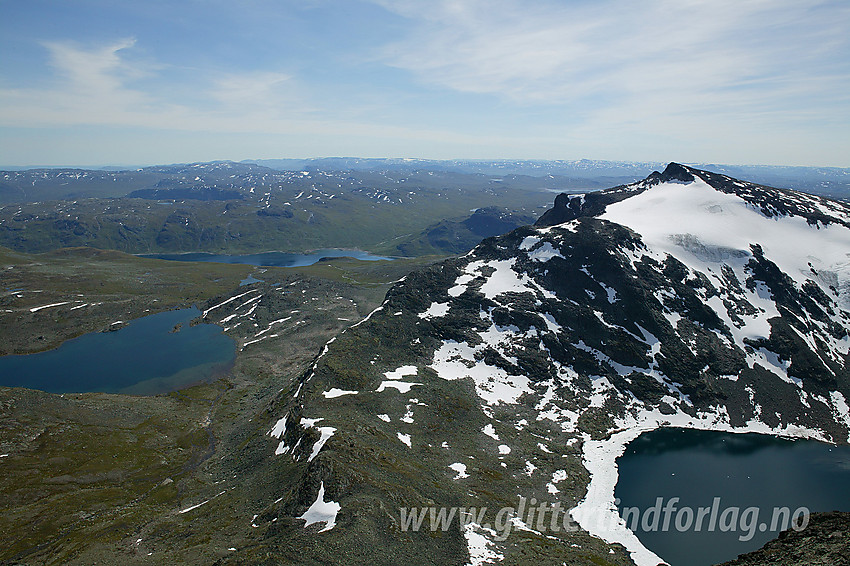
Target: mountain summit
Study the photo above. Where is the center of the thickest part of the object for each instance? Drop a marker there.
(520, 371)
(770, 201)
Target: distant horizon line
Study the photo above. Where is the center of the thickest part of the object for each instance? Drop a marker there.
(257, 161)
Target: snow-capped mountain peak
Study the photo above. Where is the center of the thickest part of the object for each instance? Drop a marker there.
(687, 299)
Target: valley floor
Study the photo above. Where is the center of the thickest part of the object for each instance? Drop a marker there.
(93, 478)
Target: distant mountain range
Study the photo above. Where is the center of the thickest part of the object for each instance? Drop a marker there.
(39, 184)
(827, 181)
(388, 206)
(232, 207)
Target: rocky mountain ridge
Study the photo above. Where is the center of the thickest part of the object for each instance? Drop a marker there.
(521, 370)
(770, 201)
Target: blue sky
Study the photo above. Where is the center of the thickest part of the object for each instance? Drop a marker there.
(731, 81)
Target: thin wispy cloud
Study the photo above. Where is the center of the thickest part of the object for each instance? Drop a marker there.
(255, 89)
(93, 70)
(683, 56)
(101, 85)
(98, 85)
(736, 81)
(89, 86)
(104, 85)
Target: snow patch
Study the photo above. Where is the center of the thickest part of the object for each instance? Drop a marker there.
(460, 469)
(840, 409)
(187, 509)
(403, 371)
(436, 310)
(334, 392)
(36, 309)
(321, 511)
(456, 360)
(402, 386)
(479, 544)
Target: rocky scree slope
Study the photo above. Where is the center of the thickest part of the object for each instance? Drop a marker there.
(825, 540)
(523, 369)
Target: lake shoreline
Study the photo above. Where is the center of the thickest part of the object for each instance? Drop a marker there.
(271, 258)
(159, 353)
(689, 493)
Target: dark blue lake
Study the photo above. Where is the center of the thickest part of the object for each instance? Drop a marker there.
(271, 259)
(760, 476)
(146, 357)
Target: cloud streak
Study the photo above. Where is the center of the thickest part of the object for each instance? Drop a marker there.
(677, 57)
(103, 85)
(737, 81)
(89, 86)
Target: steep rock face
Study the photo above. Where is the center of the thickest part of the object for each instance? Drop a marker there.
(522, 369)
(825, 540)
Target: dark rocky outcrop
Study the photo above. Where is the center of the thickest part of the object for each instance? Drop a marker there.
(824, 542)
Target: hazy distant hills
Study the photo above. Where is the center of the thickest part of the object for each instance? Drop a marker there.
(233, 207)
(200, 179)
(581, 169)
(251, 180)
(460, 236)
(390, 206)
(826, 181)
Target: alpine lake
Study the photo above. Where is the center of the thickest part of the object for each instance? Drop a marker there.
(272, 259)
(151, 355)
(735, 491)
